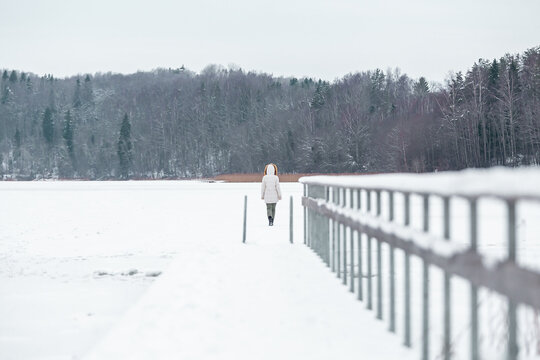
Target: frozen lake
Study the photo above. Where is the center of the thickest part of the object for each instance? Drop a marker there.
(74, 256)
(78, 261)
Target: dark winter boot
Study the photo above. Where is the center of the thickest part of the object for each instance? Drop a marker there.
(269, 221)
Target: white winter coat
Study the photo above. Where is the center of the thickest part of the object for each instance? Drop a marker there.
(270, 191)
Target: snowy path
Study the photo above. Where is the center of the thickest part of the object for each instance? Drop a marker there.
(267, 299)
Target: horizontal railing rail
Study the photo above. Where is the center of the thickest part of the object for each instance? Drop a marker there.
(341, 212)
(468, 184)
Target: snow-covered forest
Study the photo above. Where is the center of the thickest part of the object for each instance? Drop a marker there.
(176, 123)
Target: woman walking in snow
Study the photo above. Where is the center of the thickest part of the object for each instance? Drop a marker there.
(270, 191)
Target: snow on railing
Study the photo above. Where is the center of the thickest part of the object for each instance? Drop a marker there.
(340, 212)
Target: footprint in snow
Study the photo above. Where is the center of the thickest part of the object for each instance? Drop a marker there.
(153, 273)
(130, 272)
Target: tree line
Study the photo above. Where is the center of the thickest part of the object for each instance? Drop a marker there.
(174, 123)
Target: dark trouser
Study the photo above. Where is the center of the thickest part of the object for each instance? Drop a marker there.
(271, 210)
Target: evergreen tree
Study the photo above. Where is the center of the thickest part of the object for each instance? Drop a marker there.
(13, 77)
(421, 87)
(5, 95)
(377, 90)
(493, 82)
(52, 99)
(48, 126)
(67, 134)
(87, 91)
(5, 75)
(290, 147)
(17, 138)
(77, 95)
(319, 97)
(421, 90)
(488, 132)
(124, 148)
(513, 73)
(460, 86)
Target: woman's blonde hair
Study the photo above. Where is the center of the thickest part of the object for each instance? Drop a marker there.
(266, 168)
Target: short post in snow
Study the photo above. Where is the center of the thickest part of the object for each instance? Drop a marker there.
(245, 218)
(291, 222)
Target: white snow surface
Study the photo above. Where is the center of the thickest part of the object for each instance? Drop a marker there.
(157, 270)
(79, 265)
(498, 181)
(266, 299)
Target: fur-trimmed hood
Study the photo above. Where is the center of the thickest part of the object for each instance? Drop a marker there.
(270, 169)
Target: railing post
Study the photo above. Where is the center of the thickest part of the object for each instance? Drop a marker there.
(326, 241)
(334, 235)
(315, 243)
(305, 218)
(368, 238)
(359, 240)
(359, 199)
(320, 226)
(309, 220)
(344, 241)
(392, 326)
(513, 348)
(425, 292)
(379, 261)
(351, 288)
(317, 234)
(245, 220)
(447, 351)
(369, 286)
(291, 221)
(328, 244)
(407, 302)
(312, 221)
(338, 240)
(475, 355)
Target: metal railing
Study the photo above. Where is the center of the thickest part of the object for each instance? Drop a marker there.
(341, 213)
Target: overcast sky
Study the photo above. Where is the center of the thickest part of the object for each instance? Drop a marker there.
(318, 38)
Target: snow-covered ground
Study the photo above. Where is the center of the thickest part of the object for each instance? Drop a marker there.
(77, 256)
(68, 256)
(78, 266)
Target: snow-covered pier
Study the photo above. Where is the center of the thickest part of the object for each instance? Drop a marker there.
(266, 299)
(344, 217)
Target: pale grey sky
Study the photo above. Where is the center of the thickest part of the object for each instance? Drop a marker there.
(318, 38)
